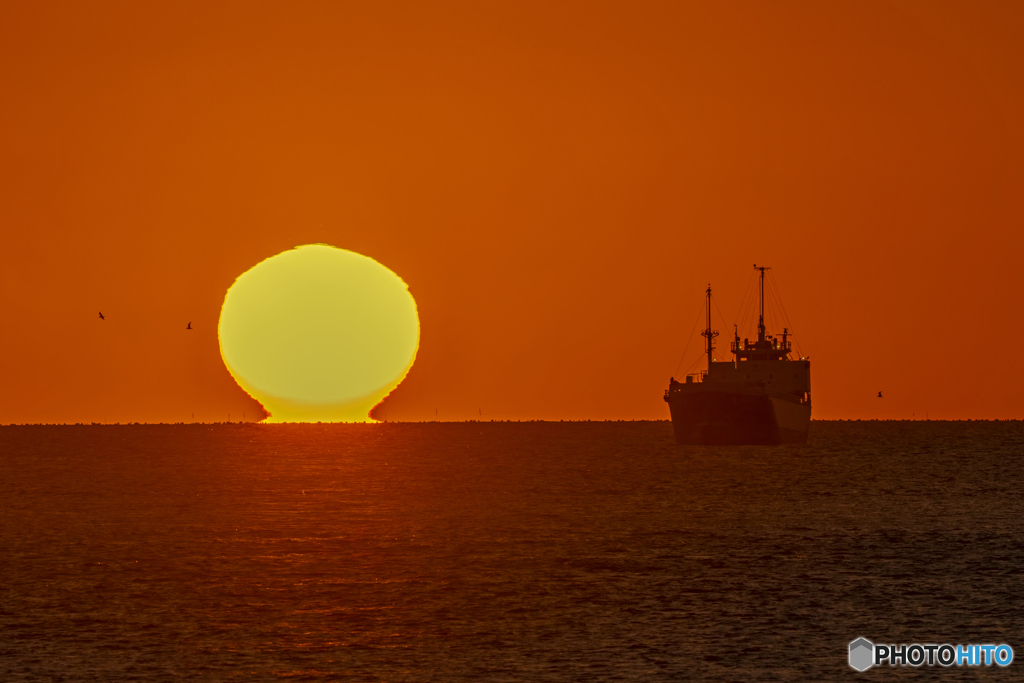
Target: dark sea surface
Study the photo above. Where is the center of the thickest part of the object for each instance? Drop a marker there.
(597, 551)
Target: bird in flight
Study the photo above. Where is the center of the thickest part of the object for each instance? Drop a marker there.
(189, 326)
(879, 394)
(102, 316)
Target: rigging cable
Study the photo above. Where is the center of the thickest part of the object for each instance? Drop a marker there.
(770, 309)
(717, 308)
(693, 365)
(699, 316)
(752, 314)
(746, 310)
(778, 296)
(743, 301)
(782, 308)
(751, 321)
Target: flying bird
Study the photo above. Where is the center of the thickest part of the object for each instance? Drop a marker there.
(101, 316)
(879, 394)
(189, 326)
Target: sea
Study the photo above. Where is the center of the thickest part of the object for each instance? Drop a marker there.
(503, 551)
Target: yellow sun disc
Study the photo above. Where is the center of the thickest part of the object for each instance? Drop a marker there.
(318, 333)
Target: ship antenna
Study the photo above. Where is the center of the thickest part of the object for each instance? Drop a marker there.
(708, 333)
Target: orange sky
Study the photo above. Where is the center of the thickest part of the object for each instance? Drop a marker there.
(557, 182)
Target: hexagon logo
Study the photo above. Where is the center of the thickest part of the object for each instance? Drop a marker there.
(862, 654)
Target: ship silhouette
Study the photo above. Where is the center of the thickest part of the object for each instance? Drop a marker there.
(762, 396)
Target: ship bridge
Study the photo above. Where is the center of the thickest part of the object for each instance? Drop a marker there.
(768, 348)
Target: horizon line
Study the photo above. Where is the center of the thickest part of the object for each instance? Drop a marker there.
(383, 422)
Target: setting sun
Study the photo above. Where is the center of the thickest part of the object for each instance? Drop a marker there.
(319, 333)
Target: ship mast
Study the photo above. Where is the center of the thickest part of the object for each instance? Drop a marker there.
(708, 333)
(760, 319)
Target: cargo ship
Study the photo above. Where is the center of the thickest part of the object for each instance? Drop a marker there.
(761, 396)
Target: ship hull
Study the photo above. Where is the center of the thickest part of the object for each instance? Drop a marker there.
(702, 415)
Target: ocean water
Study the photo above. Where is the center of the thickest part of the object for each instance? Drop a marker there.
(594, 551)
